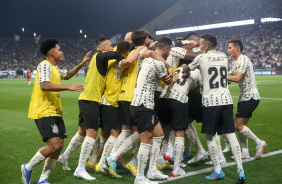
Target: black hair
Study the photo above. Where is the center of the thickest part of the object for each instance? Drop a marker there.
(179, 38)
(100, 40)
(47, 45)
(163, 42)
(139, 36)
(151, 38)
(190, 34)
(211, 39)
(237, 43)
(123, 47)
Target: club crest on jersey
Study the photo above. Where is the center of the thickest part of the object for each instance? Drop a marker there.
(55, 129)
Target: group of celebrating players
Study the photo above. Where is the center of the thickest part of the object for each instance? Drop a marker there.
(145, 95)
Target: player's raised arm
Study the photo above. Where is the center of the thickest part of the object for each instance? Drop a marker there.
(74, 71)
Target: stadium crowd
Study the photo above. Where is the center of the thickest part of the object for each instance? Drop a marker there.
(261, 44)
(222, 11)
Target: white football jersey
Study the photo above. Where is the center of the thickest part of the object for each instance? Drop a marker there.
(44, 72)
(248, 86)
(147, 79)
(173, 60)
(213, 68)
(180, 89)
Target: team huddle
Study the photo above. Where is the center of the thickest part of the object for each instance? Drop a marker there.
(145, 95)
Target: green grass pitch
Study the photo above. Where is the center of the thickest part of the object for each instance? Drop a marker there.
(20, 139)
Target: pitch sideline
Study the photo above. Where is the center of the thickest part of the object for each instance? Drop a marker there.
(212, 168)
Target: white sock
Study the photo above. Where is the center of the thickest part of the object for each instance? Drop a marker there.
(162, 152)
(122, 136)
(143, 156)
(107, 149)
(213, 150)
(155, 151)
(187, 149)
(217, 169)
(191, 133)
(244, 144)
(47, 169)
(246, 132)
(126, 145)
(217, 139)
(170, 144)
(37, 159)
(236, 150)
(178, 151)
(136, 149)
(98, 146)
(133, 160)
(86, 149)
(73, 145)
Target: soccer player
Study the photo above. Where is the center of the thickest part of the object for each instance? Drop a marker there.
(142, 107)
(129, 139)
(172, 109)
(217, 102)
(243, 74)
(88, 102)
(28, 74)
(46, 110)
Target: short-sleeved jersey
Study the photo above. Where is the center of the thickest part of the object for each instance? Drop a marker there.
(46, 103)
(113, 83)
(213, 68)
(129, 79)
(248, 86)
(179, 90)
(176, 54)
(150, 73)
(95, 82)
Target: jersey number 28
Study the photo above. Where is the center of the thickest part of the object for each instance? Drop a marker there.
(223, 77)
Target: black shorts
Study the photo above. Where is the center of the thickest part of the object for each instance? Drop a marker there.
(52, 126)
(195, 106)
(157, 95)
(110, 117)
(218, 119)
(125, 117)
(246, 108)
(89, 114)
(143, 117)
(173, 112)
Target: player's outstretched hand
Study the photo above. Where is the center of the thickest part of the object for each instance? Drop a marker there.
(76, 87)
(86, 58)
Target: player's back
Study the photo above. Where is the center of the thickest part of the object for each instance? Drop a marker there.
(213, 67)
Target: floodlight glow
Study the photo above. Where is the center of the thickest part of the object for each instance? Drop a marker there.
(23, 29)
(34, 34)
(80, 31)
(85, 36)
(270, 19)
(205, 27)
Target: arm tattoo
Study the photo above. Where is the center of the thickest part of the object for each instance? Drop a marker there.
(43, 84)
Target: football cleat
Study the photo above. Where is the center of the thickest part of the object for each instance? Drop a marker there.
(132, 168)
(178, 172)
(241, 177)
(44, 182)
(112, 167)
(183, 165)
(91, 165)
(186, 156)
(169, 158)
(198, 157)
(64, 163)
(156, 175)
(144, 181)
(100, 169)
(25, 174)
(260, 149)
(83, 175)
(120, 162)
(215, 176)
